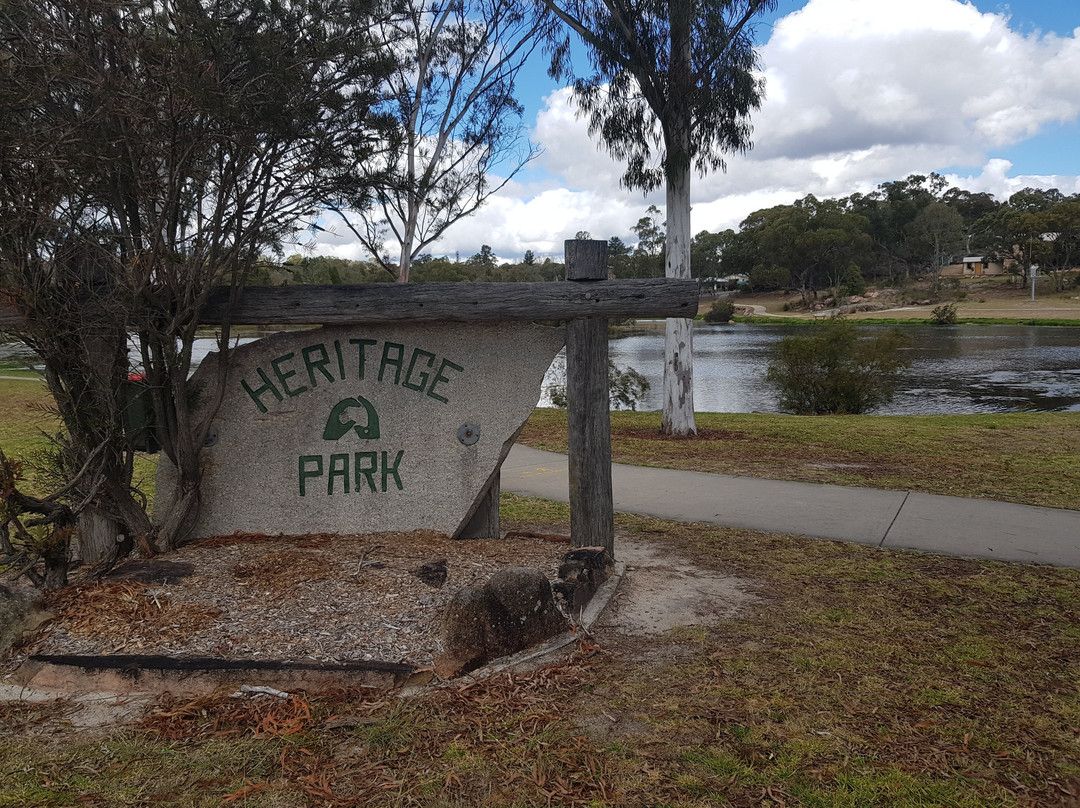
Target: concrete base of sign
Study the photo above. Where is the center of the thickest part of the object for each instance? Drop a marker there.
(364, 429)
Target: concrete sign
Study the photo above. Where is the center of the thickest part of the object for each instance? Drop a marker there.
(359, 429)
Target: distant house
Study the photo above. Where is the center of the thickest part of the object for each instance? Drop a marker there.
(975, 266)
(722, 284)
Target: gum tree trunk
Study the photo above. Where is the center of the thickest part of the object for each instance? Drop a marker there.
(678, 415)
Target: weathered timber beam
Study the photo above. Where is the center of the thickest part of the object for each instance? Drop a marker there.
(457, 302)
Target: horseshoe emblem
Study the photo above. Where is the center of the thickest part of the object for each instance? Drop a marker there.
(337, 426)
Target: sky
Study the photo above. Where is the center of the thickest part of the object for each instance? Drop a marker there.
(857, 92)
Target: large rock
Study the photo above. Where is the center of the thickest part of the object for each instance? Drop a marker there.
(514, 610)
(19, 613)
(364, 429)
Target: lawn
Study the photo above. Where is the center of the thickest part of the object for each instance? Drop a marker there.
(861, 677)
(1031, 458)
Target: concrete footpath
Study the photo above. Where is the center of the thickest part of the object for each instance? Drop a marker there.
(977, 528)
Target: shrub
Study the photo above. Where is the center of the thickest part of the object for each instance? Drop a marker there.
(625, 387)
(835, 370)
(721, 312)
(945, 314)
(854, 283)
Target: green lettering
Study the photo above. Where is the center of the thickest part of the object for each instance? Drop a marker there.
(340, 360)
(439, 377)
(361, 344)
(305, 474)
(313, 364)
(392, 361)
(339, 467)
(365, 471)
(283, 377)
(423, 377)
(391, 471)
(268, 387)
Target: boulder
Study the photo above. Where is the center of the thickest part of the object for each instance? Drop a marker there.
(514, 610)
(19, 613)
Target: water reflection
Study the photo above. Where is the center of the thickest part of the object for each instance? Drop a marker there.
(955, 369)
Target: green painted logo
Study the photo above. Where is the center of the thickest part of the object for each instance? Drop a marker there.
(337, 427)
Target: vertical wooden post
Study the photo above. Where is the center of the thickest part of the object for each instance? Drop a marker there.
(592, 518)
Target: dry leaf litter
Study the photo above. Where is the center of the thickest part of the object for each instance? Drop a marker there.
(321, 598)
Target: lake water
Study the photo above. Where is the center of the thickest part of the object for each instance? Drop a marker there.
(955, 369)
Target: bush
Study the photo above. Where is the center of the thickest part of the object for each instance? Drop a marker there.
(854, 283)
(837, 371)
(945, 314)
(625, 387)
(721, 312)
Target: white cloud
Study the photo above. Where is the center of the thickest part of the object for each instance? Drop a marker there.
(858, 92)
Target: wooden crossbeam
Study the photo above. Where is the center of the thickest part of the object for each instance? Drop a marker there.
(448, 302)
(457, 302)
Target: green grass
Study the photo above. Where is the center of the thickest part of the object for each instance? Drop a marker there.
(24, 414)
(1030, 458)
(861, 677)
(27, 419)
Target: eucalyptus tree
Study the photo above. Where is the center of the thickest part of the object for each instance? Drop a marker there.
(937, 232)
(671, 89)
(890, 210)
(453, 94)
(1057, 246)
(150, 152)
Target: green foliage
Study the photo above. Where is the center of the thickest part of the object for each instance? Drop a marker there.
(625, 387)
(835, 370)
(661, 108)
(816, 240)
(945, 314)
(766, 277)
(721, 311)
(854, 282)
(153, 152)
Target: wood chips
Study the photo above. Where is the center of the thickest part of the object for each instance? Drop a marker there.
(318, 597)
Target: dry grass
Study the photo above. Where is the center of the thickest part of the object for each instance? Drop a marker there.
(863, 678)
(1031, 458)
(985, 298)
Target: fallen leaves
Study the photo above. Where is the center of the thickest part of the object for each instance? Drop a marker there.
(125, 613)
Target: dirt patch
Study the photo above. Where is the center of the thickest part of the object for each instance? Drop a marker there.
(663, 590)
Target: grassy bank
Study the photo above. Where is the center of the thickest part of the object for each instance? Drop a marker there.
(860, 677)
(1031, 458)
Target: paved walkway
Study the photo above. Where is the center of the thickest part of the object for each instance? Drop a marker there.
(977, 528)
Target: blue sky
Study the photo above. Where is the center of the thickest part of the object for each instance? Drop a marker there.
(858, 92)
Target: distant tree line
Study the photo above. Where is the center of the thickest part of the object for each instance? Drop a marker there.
(484, 266)
(902, 229)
